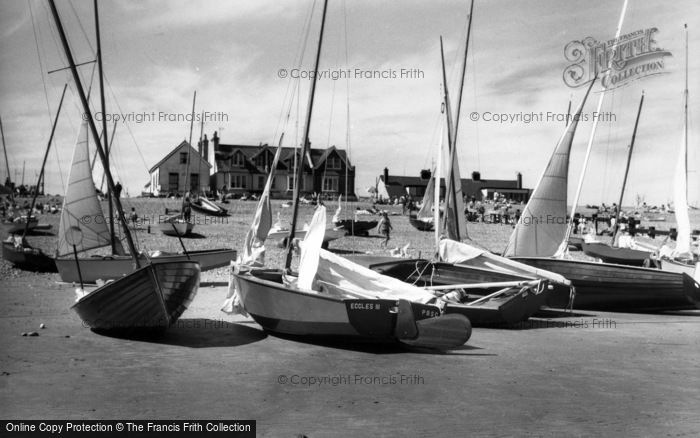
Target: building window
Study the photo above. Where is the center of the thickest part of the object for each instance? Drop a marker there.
(333, 163)
(238, 159)
(238, 181)
(330, 184)
(263, 160)
(173, 179)
(261, 182)
(183, 157)
(290, 183)
(194, 182)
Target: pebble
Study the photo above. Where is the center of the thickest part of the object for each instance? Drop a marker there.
(32, 334)
(42, 326)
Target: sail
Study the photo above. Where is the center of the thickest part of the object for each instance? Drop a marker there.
(310, 247)
(81, 208)
(542, 225)
(426, 209)
(254, 244)
(680, 204)
(455, 219)
(429, 197)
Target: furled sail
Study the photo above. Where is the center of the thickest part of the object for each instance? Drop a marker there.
(81, 208)
(542, 225)
(254, 244)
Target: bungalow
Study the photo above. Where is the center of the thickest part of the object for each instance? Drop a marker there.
(480, 189)
(243, 169)
(168, 176)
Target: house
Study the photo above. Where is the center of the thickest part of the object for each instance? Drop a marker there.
(480, 189)
(243, 169)
(167, 177)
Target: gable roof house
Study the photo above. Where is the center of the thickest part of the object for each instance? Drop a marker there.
(167, 177)
(243, 169)
(394, 186)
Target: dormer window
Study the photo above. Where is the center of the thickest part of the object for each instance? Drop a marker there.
(238, 159)
(333, 162)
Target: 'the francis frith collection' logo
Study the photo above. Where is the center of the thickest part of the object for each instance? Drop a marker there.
(630, 57)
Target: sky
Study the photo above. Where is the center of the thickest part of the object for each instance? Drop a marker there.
(234, 54)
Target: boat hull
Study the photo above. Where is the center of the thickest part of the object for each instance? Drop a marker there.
(605, 286)
(621, 256)
(176, 229)
(419, 224)
(283, 310)
(209, 208)
(510, 308)
(149, 299)
(29, 259)
(356, 228)
(115, 267)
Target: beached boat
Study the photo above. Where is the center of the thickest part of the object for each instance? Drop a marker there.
(106, 268)
(16, 249)
(352, 227)
(482, 309)
(151, 297)
(338, 304)
(175, 226)
(205, 206)
(682, 258)
(25, 257)
(620, 256)
(421, 224)
(599, 286)
(606, 286)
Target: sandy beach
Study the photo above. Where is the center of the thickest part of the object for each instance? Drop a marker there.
(582, 374)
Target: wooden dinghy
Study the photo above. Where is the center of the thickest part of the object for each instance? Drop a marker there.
(606, 286)
(26, 257)
(620, 256)
(113, 267)
(205, 206)
(151, 298)
(282, 309)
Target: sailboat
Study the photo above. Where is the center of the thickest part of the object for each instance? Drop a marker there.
(352, 227)
(282, 302)
(81, 208)
(599, 286)
(152, 297)
(618, 254)
(460, 263)
(682, 258)
(16, 249)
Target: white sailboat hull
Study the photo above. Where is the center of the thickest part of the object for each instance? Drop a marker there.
(115, 267)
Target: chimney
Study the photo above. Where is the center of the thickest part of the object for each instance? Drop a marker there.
(205, 148)
(519, 178)
(386, 175)
(215, 142)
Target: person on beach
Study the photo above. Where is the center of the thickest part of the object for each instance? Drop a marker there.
(385, 228)
(187, 208)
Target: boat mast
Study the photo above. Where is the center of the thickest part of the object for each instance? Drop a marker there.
(43, 163)
(187, 165)
(305, 144)
(7, 163)
(593, 129)
(685, 127)
(464, 73)
(450, 191)
(93, 128)
(100, 74)
(627, 169)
